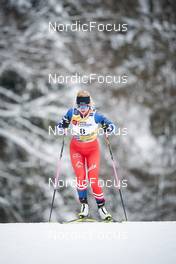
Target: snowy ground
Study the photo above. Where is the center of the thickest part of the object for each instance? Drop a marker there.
(132, 242)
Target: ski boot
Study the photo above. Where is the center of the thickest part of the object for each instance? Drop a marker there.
(104, 215)
(84, 212)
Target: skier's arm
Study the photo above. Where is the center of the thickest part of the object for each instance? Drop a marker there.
(65, 121)
(106, 124)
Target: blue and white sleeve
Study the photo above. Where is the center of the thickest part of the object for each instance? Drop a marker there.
(101, 119)
(66, 118)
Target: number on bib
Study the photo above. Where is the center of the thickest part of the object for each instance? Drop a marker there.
(82, 131)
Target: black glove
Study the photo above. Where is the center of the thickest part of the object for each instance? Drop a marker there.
(65, 123)
(107, 128)
(104, 126)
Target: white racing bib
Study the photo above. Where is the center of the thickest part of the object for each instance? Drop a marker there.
(84, 129)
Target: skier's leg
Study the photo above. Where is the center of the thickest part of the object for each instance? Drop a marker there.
(78, 163)
(93, 161)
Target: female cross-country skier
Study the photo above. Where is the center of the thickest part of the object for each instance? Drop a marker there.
(85, 151)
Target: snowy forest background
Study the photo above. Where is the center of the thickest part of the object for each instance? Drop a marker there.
(146, 106)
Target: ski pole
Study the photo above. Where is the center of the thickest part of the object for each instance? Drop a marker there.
(115, 173)
(57, 175)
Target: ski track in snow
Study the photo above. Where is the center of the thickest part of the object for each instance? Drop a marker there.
(128, 242)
